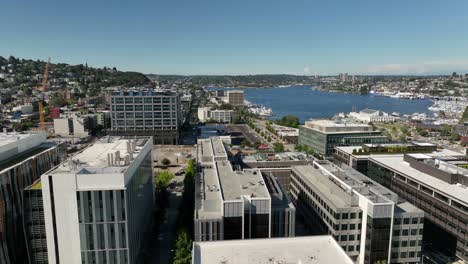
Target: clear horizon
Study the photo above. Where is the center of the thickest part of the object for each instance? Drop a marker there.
(243, 37)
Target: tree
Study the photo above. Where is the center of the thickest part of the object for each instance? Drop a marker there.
(163, 179)
(289, 121)
(183, 248)
(278, 147)
(423, 133)
(165, 162)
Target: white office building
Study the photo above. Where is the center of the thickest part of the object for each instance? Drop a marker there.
(97, 205)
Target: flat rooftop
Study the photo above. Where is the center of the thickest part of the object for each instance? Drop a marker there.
(285, 156)
(25, 155)
(339, 184)
(438, 153)
(108, 155)
(336, 126)
(304, 250)
(396, 163)
(219, 182)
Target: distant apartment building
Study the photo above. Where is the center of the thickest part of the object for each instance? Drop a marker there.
(324, 135)
(235, 97)
(237, 204)
(206, 114)
(365, 218)
(357, 157)
(308, 249)
(438, 185)
(23, 158)
(147, 113)
(97, 205)
(78, 127)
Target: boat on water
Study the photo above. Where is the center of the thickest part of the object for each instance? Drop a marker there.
(261, 111)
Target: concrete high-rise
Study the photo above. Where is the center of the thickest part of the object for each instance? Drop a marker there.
(147, 113)
(97, 205)
(235, 97)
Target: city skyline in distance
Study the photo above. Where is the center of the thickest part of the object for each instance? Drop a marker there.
(212, 38)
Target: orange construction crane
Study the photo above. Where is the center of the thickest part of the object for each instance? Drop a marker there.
(43, 89)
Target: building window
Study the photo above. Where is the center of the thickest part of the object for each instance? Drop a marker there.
(406, 221)
(352, 226)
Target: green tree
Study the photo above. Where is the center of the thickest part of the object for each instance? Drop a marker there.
(165, 162)
(289, 121)
(163, 179)
(278, 147)
(183, 248)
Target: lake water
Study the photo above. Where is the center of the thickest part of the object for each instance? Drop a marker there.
(306, 103)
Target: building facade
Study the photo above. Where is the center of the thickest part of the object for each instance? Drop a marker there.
(147, 113)
(360, 214)
(235, 97)
(23, 158)
(324, 135)
(437, 185)
(98, 204)
(206, 114)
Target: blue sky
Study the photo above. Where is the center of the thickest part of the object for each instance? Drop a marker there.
(242, 36)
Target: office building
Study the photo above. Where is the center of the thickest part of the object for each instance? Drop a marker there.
(23, 158)
(324, 135)
(357, 157)
(365, 218)
(98, 204)
(147, 113)
(237, 204)
(76, 127)
(437, 185)
(310, 249)
(206, 114)
(235, 97)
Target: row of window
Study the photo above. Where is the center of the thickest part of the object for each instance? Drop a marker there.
(411, 254)
(404, 243)
(348, 238)
(147, 108)
(407, 232)
(146, 100)
(406, 221)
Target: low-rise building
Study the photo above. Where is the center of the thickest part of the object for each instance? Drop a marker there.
(362, 215)
(324, 135)
(206, 114)
(288, 134)
(310, 249)
(237, 204)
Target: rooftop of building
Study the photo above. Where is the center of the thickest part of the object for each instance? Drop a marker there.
(305, 250)
(135, 91)
(108, 155)
(10, 137)
(397, 163)
(284, 156)
(406, 207)
(219, 182)
(338, 126)
(438, 152)
(338, 183)
(25, 155)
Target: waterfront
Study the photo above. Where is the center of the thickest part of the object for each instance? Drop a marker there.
(306, 103)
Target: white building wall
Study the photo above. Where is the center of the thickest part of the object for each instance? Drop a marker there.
(20, 143)
(66, 216)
